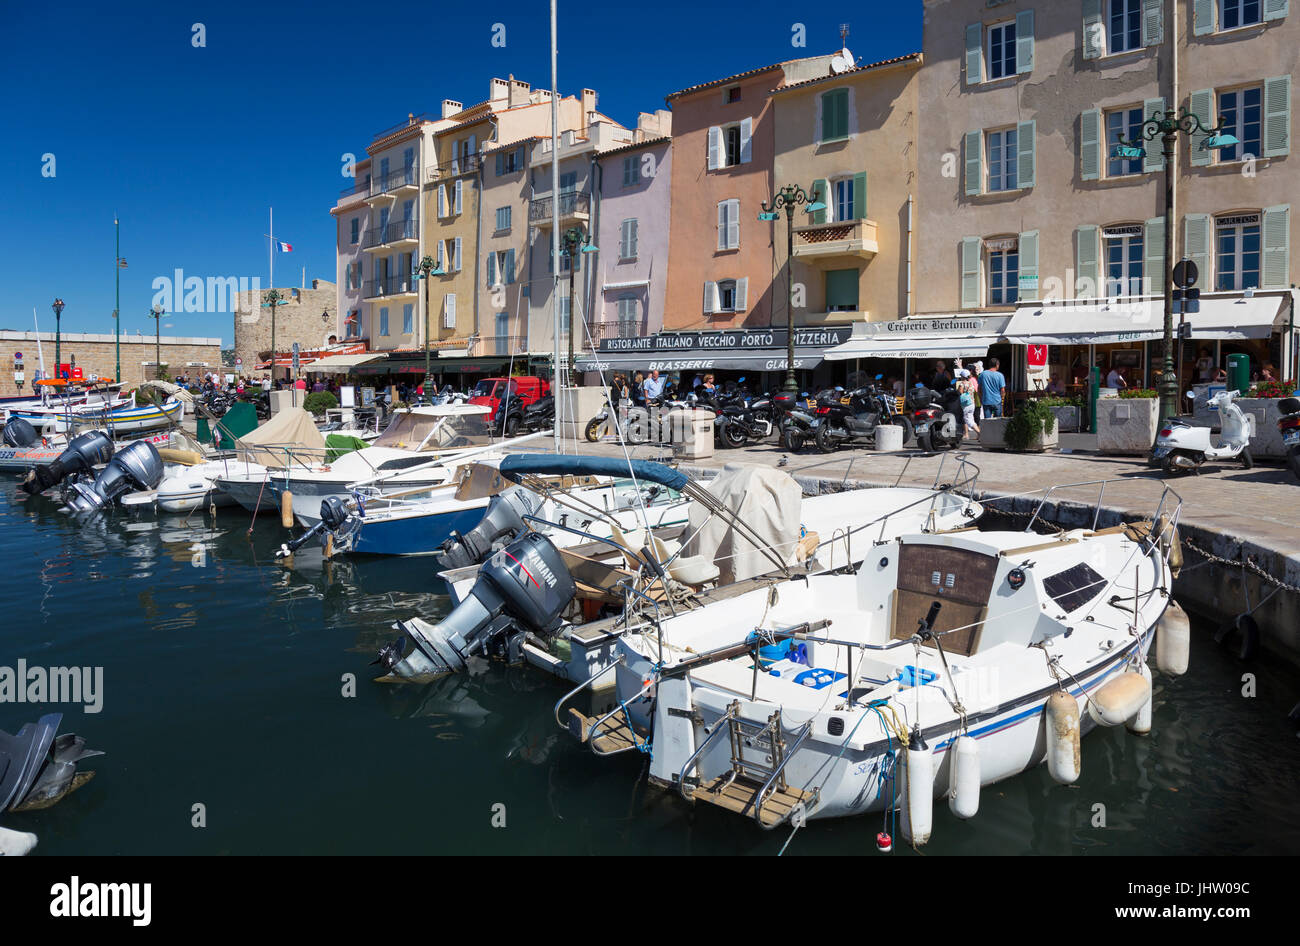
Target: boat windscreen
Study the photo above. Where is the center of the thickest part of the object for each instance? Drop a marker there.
(1074, 587)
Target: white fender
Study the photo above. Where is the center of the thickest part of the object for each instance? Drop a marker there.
(964, 784)
(15, 843)
(1173, 640)
(1119, 698)
(918, 796)
(1140, 722)
(1062, 719)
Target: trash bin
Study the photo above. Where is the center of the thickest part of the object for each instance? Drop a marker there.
(1239, 373)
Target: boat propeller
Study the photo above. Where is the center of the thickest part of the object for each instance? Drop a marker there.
(390, 655)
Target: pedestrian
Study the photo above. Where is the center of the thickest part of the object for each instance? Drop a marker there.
(653, 386)
(975, 371)
(968, 388)
(638, 391)
(992, 389)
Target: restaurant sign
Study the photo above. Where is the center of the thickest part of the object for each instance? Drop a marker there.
(731, 340)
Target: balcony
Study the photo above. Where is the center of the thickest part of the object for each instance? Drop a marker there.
(624, 328)
(853, 238)
(464, 164)
(358, 189)
(485, 345)
(387, 188)
(400, 285)
(397, 235)
(574, 207)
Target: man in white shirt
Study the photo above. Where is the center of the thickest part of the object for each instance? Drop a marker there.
(653, 386)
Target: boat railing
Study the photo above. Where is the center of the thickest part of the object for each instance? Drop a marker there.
(1168, 495)
(710, 734)
(619, 707)
(559, 704)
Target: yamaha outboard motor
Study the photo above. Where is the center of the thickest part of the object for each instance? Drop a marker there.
(36, 768)
(522, 588)
(19, 433)
(84, 453)
(335, 517)
(504, 520)
(138, 466)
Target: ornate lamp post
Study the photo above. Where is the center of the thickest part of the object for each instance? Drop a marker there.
(58, 334)
(573, 238)
(270, 299)
(787, 199)
(428, 267)
(156, 313)
(1167, 125)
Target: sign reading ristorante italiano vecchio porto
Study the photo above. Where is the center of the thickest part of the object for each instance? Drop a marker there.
(730, 340)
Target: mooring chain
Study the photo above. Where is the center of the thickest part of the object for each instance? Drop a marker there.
(1247, 564)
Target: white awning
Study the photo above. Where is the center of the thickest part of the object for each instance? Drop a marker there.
(1110, 321)
(934, 346)
(344, 362)
(633, 284)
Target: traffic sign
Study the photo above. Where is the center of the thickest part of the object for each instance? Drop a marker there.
(239, 362)
(1185, 274)
(18, 356)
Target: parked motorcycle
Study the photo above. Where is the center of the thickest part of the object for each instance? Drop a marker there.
(1182, 448)
(1288, 426)
(797, 419)
(854, 423)
(540, 415)
(941, 423)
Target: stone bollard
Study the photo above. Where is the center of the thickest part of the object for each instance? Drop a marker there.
(889, 438)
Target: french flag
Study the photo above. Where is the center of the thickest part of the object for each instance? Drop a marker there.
(284, 247)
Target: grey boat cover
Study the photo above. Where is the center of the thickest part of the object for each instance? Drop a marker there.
(290, 433)
(766, 500)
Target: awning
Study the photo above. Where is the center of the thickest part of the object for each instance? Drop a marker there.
(1111, 321)
(286, 361)
(631, 284)
(918, 347)
(765, 359)
(346, 362)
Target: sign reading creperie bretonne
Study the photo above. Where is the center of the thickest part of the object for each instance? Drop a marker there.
(731, 340)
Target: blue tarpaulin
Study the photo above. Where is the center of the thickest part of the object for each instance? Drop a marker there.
(516, 465)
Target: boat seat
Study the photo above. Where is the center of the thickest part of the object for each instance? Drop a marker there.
(693, 570)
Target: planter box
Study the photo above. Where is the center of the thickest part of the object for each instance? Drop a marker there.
(1127, 425)
(1067, 418)
(993, 436)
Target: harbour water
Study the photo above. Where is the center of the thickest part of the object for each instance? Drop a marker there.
(240, 686)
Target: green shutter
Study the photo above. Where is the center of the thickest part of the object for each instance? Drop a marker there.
(974, 169)
(1094, 31)
(1153, 246)
(842, 288)
(1202, 105)
(1087, 254)
(835, 115)
(860, 195)
(970, 272)
(824, 195)
(1025, 162)
(1153, 22)
(1090, 145)
(974, 53)
(1155, 159)
(1277, 116)
(1277, 247)
(510, 266)
(1203, 16)
(492, 269)
(1196, 244)
(1028, 289)
(1274, 9)
(1024, 42)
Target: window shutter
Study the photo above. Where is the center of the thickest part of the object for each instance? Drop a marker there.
(970, 272)
(710, 298)
(1094, 30)
(826, 125)
(842, 113)
(510, 266)
(974, 169)
(440, 259)
(459, 188)
(746, 140)
(632, 230)
(1025, 162)
(492, 269)
(974, 53)
(1202, 103)
(1028, 288)
(1277, 116)
(742, 293)
(501, 163)
(449, 311)
(442, 200)
(1153, 22)
(1274, 9)
(1196, 243)
(860, 195)
(1203, 16)
(1155, 159)
(1277, 247)
(1153, 247)
(457, 263)
(1090, 145)
(824, 195)
(1087, 252)
(715, 147)
(1025, 41)
(722, 224)
(733, 224)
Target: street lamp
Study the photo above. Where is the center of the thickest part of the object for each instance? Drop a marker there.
(1167, 125)
(156, 313)
(270, 299)
(573, 238)
(428, 267)
(787, 198)
(58, 335)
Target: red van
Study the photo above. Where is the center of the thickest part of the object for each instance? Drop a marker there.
(492, 391)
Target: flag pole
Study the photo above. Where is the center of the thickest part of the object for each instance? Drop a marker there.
(271, 254)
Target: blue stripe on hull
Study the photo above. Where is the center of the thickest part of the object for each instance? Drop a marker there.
(414, 535)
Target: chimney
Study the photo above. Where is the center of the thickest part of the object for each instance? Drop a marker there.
(519, 92)
(499, 91)
(450, 108)
(588, 105)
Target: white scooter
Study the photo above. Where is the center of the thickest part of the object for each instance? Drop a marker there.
(1182, 448)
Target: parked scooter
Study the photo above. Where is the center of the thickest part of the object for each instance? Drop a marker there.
(1288, 426)
(540, 415)
(797, 418)
(853, 423)
(944, 423)
(1182, 448)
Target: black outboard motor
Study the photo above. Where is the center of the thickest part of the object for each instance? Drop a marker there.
(138, 466)
(37, 768)
(523, 587)
(19, 433)
(334, 517)
(84, 453)
(503, 522)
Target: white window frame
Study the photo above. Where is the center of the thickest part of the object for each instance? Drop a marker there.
(1135, 6)
(725, 286)
(1107, 145)
(1008, 284)
(988, 49)
(833, 207)
(1127, 286)
(1239, 231)
(1220, 10)
(726, 145)
(1237, 128)
(1009, 162)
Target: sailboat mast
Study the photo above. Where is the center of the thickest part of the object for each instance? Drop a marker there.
(560, 380)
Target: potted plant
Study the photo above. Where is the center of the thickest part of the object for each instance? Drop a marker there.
(1033, 428)
(1126, 423)
(1068, 410)
(318, 402)
(1261, 401)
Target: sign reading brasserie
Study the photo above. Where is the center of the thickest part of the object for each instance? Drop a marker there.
(732, 340)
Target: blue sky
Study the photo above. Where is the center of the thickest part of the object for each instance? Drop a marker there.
(190, 146)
